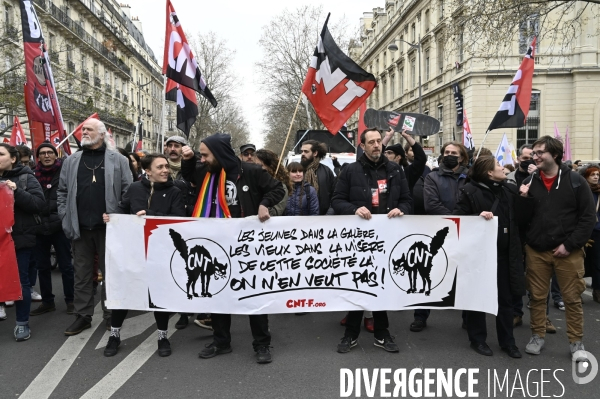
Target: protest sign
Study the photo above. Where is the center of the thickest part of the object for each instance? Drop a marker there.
(291, 264)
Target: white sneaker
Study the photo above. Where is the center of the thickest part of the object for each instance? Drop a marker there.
(9, 303)
(35, 296)
(578, 353)
(535, 345)
(2, 313)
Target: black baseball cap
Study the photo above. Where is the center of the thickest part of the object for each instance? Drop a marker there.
(247, 147)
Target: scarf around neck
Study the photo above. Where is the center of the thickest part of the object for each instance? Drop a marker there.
(44, 174)
(175, 167)
(310, 174)
(204, 202)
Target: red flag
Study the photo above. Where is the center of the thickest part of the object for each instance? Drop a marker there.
(17, 137)
(77, 131)
(515, 106)
(10, 286)
(187, 104)
(179, 63)
(139, 146)
(467, 136)
(335, 85)
(55, 139)
(40, 92)
(6, 140)
(361, 118)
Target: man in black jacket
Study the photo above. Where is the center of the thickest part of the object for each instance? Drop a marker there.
(372, 185)
(51, 233)
(249, 190)
(318, 175)
(559, 208)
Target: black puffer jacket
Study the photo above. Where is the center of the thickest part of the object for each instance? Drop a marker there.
(157, 199)
(478, 197)
(441, 190)
(51, 222)
(28, 204)
(353, 187)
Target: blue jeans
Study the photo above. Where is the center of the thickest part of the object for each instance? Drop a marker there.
(24, 305)
(62, 246)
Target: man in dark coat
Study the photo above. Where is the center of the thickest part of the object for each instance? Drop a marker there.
(318, 175)
(249, 190)
(372, 185)
(51, 233)
(559, 208)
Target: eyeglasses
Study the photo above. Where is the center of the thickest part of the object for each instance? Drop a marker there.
(388, 152)
(538, 153)
(248, 154)
(46, 154)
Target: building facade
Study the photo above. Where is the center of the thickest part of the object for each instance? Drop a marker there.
(566, 89)
(100, 63)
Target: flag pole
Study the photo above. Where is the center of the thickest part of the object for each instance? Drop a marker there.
(66, 138)
(480, 147)
(288, 133)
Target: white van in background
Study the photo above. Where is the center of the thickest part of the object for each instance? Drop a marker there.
(346, 157)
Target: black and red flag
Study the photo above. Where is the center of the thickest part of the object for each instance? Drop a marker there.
(335, 85)
(41, 94)
(179, 63)
(187, 104)
(515, 106)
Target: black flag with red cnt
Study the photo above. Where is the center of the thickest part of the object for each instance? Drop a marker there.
(187, 105)
(515, 106)
(179, 62)
(335, 85)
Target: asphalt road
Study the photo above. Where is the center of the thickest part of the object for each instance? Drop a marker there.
(305, 361)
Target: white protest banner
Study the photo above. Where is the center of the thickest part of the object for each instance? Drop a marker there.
(304, 263)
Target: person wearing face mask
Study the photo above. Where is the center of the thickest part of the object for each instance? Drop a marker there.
(526, 166)
(154, 195)
(441, 191)
(487, 195)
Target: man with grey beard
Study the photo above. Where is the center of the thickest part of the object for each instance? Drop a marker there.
(92, 182)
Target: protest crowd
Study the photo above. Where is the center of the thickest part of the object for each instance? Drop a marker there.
(547, 223)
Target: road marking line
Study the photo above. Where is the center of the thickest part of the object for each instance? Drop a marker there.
(52, 374)
(133, 326)
(118, 376)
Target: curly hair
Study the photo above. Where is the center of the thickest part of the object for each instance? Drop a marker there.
(270, 160)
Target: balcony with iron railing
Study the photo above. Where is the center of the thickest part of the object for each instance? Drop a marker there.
(107, 88)
(54, 58)
(118, 94)
(97, 82)
(60, 16)
(85, 75)
(125, 99)
(80, 110)
(11, 32)
(70, 65)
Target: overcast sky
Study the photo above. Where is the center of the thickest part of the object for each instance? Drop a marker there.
(240, 23)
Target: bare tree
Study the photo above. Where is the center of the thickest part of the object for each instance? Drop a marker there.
(288, 42)
(487, 29)
(215, 59)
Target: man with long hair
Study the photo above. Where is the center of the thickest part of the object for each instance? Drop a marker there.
(318, 175)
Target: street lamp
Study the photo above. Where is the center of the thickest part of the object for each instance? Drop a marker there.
(393, 47)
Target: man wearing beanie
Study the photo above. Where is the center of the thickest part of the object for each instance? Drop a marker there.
(249, 190)
(50, 233)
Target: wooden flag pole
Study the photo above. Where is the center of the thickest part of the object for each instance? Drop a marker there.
(288, 134)
(481, 146)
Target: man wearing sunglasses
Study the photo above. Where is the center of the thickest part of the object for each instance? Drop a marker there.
(558, 207)
(247, 152)
(50, 233)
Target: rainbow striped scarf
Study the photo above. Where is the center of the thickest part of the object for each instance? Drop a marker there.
(204, 202)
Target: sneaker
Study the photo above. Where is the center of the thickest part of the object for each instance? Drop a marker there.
(182, 322)
(517, 321)
(204, 323)
(346, 344)
(81, 323)
(535, 345)
(418, 325)
(164, 347)
(35, 296)
(212, 350)
(550, 329)
(43, 308)
(70, 308)
(112, 347)
(2, 313)
(370, 324)
(263, 355)
(22, 332)
(560, 305)
(578, 353)
(387, 343)
(9, 304)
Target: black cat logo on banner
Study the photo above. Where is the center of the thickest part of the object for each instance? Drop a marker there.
(199, 258)
(419, 255)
